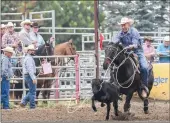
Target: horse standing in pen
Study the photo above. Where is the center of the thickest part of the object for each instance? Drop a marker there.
(66, 48)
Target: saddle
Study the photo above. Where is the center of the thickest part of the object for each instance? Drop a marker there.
(136, 61)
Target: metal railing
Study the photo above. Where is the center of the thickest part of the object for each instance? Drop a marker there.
(57, 78)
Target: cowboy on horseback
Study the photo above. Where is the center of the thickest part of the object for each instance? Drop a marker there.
(130, 38)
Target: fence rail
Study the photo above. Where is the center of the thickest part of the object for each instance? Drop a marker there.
(57, 79)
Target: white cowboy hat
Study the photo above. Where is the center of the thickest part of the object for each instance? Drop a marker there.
(166, 38)
(3, 26)
(27, 21)
(10, 24)
(126, 20)
(31, 47)
(8, 49)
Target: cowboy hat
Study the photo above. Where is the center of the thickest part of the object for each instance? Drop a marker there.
(31, 47)
(3, 26)
(35, 24)
(149, 38)
(8, 49)
(125, 20)
(166, 38)
(27, 21)
(10, 24)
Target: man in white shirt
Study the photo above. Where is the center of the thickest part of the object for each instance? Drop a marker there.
(35, 36)
(24, 33)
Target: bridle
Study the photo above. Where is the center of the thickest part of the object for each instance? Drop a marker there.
(111, 49)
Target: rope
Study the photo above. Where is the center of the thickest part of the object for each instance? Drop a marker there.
(133, 75)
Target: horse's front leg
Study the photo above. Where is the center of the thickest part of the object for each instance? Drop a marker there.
(44, 95)
(108, 110)
(146, 102)
(115, 105)
(127, 102)
(93, 104)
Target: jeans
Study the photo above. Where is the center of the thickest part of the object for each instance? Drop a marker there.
(5, 86)
(31, 95)
(143, 68)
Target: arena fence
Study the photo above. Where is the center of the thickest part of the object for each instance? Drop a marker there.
(72, 81)
(74, 68)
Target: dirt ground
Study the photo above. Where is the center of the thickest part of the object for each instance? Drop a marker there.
(158, 111)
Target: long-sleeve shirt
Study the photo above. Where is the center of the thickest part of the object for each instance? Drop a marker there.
(6, 67)
(25, 37)
(132, 37)
(9, 39)
(161, 49)
(37, 37)
(29, 66)
(149, 50)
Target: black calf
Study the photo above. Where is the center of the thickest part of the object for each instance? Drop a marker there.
(105, 92)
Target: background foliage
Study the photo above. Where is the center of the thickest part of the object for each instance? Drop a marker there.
(148, 15)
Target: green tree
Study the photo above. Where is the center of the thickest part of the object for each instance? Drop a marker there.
(148, 15)
(67, 14)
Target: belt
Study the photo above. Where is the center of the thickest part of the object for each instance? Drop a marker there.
(28, 74)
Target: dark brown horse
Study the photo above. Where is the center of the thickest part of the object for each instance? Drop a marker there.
(66, 48)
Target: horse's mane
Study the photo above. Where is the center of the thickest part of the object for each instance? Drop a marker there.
(40, 48)
(62, 44)
(119, 45)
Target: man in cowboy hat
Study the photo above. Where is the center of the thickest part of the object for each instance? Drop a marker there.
(163, 50)
(149, 50)
(130, 38)
(24, 33)
(3, 29)
(30, 77)
(35, 36)
(6, 74)
(10, 38)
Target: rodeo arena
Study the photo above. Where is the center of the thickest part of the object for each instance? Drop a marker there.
(67, 79)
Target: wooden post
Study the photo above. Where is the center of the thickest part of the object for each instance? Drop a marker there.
(96, 38)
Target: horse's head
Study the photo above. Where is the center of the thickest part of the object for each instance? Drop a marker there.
(70, 49)
(96, 85)
(44, 50)
(111, 52)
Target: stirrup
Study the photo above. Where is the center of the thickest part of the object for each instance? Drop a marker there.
(145, 89)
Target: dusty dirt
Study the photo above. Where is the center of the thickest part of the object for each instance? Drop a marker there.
(158, 111)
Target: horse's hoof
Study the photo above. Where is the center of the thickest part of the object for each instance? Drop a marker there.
(107, 118)
(146, 112)
(102, 104)
(116, 114)
(94, 109)
(119, 112)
